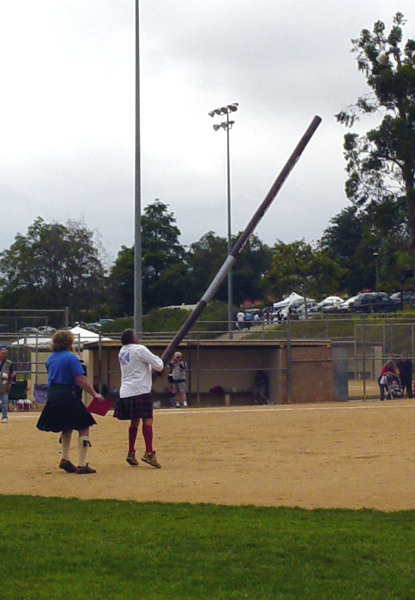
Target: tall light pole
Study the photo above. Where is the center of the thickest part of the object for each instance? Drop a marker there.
(227, 126)
(138, 290)
(376, 255)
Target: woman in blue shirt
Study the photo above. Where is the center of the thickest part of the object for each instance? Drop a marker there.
(64, 410)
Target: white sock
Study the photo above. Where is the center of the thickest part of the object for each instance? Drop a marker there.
(83, 445)
(66, 443)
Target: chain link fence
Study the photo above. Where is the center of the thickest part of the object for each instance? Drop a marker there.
(360, 347)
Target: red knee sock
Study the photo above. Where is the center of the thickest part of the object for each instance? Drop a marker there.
(132, 436)
(148, 437)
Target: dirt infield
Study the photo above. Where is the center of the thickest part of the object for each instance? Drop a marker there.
(346, 455)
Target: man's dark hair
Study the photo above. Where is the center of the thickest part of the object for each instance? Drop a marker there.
(127, 337)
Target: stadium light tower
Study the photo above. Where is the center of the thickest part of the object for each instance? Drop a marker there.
(138, 290)
(227, 126)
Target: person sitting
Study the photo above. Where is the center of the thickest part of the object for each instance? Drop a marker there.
(261, 388)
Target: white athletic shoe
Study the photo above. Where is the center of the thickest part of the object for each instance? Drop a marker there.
(4, 420)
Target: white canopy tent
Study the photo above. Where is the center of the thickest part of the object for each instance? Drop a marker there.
(291, 300)
(84, 335)
(81, 336)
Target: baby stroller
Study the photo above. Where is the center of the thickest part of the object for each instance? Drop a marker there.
(393, 386)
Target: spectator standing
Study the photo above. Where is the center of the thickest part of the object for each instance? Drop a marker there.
(6, 378)
(178, 380)
(135, 401)
(248, 320)
(64, 410)
(406, 368)
(240, 317)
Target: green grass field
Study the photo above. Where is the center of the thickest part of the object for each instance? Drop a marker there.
(55, 548)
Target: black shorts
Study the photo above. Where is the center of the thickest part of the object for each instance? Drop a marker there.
(134, 407)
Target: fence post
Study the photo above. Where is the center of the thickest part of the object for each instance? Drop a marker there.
(364, 357)
(99, 364)
(288, 362)
(189, 362)
(391, 339)
(355, 351)
(198, 370)
(37, 358)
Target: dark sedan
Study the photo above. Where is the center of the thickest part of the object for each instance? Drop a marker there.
(375, 302)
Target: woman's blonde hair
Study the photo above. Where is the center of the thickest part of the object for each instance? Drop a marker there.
(62, 340)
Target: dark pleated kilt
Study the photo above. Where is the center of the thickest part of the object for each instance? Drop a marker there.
(64, 410)
(134, 407)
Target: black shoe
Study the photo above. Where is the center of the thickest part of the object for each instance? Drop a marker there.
(67, 466)
(86, 470)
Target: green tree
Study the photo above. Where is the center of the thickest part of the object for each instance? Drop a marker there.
(52, 266)
(205, 259)
(298, 267)
(208, 254)
(163, 258)
(122, 283)
(369, 242)
(381, 163)
(165, 273)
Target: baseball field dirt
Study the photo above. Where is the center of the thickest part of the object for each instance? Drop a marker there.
(341, 455)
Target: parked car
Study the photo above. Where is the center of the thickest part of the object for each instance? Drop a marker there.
(47, 329)
(29, 330)
(375, 302)
(301, 309)
(346, 305)
(328, 304)
(408, 297)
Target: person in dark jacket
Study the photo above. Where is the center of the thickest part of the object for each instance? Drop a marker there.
(406, 368)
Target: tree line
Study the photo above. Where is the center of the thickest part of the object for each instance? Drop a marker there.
(57, 265)
(368, 245)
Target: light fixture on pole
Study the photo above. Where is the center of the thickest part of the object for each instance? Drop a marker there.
(227, 126)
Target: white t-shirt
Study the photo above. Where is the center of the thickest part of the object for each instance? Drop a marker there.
(136, 362)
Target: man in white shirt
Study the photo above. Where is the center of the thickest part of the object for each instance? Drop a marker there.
(240, 317)
(135, 402)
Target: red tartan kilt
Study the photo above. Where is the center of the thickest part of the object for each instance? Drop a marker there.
(134, 407)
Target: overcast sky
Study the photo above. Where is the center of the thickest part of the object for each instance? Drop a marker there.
(67, 111)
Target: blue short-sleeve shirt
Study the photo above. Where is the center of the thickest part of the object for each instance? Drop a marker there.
(63, 368)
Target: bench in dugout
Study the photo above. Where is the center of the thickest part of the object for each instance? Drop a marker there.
(18, 399)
